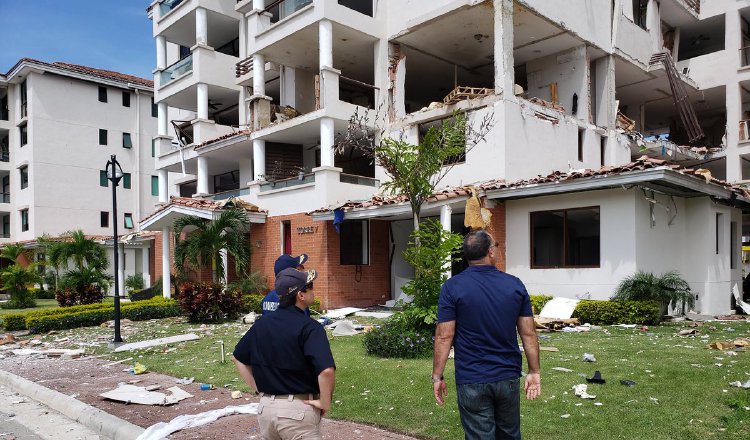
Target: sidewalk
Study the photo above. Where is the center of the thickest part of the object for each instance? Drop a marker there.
(85, 378)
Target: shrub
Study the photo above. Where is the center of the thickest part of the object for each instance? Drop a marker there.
(14, 322)
(42, 294)
(143, 294)
(254, 283)
(134, 282)
(393, 340)
(316, 306)
(618, 312)
(86, 294)
(538, 302)
(210, 302)
(252, 303)
(669, 289)
(17, 321)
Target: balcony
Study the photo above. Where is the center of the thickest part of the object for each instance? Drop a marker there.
(230, 194)
(176, 70)
(5, 197)
(287, 183)
(167, 5)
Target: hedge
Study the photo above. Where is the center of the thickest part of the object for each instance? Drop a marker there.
(17, 321)
(618, 312)
(538, 302)
(139, 311)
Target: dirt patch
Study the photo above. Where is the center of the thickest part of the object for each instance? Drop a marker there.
(86, 378)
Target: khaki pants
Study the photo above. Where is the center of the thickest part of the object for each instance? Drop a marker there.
(282, 418)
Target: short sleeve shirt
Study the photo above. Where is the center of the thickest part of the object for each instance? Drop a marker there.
(287, 351)
(486, 304)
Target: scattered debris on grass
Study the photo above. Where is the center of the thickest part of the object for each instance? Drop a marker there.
(161, 430)
(156, 342)
(739, 384)
(142, 396)
(627, 382)
(580, 391)
(588, 357)
(597, 378)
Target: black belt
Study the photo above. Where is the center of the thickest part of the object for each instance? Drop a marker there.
(302, 396)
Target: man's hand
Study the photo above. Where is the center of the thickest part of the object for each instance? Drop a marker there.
(440, 390)
(319, 405)
(533, 386)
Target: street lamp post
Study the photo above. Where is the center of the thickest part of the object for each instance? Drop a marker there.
(114, 174)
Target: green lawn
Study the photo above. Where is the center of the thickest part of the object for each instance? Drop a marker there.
(40, 304)
(681, 392)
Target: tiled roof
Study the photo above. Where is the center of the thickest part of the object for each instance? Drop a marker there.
(221, 138)
(206, 205)
(99, 238)
(99, 73)
(643, 163)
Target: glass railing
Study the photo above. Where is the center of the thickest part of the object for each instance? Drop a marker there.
(168, 5)
(229, 194)
(287, 183)
(4, 197)
(176, 70)
(4, 156)
(359, 180)
(281, 9)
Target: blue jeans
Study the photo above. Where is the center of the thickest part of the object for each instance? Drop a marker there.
(490, 411)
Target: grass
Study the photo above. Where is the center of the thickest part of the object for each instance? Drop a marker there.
(40, 304)
(681, 392)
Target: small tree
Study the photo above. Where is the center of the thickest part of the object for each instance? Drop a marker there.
(16, 279)
(669, 289)
(202, 246)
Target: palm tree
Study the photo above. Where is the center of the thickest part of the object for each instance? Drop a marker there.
(84, 251)
(12, 252)
(669, 289)
(205, 239)
(15, 280)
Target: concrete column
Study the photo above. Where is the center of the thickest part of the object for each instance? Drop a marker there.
(325, 31)
(201, 26)
(503, 49)
(202, 101)
(202, 175)
(326, 142)
(121, 268)
(258, 5)
(445, 220)
(243, 37)
(161, 52)
(604, 95)
(259, 159)
(225, 263)
(146, 266)
(17, 100)
(166, 280)
(163, 186)
(163, 119)
(396, 83)
(288, 86)
(259, 74)
(242, 109)
(380, 66)
(734, 115)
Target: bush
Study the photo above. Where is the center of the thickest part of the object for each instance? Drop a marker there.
(316, 306)
(538, 302)
(669, 289)
(17, 321)
(134, 282)
(252, 303)
(254, 283)
(87, 294)
(143, 294)
(393, 340)
(141, 311)
(42, 294)
(618, 312)
(210, 302)
(22, 299)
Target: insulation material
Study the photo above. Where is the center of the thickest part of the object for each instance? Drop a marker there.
(140, 395)
(559, 308)
(161, 430)
(476, 217)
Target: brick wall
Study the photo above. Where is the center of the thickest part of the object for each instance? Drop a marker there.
(497, 230)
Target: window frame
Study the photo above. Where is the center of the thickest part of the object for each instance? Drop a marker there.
(126, 217)
(104, 219)
(103, 136)
(24, 99)
(127, 180)
(565, 264)
(23, 172)
(23, 133)
(126, 98)
(154, 108)
(102, 94)
(366, 241)
(155, 186)
(103, 178)
(24, 219)
(127, 140)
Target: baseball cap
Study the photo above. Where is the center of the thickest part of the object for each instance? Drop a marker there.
(287, 261)
(290, 281)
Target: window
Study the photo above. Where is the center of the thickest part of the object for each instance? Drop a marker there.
(103, 181)
(6, 226)
(184, 52)
(286, 237)
(126, 141)
(425, 128)
(24, 220)
(24, 101)
(153, 147)
(154, 185)
(126, 180)
(227, 181)
(565, 238)
(154, 109)
(102, 137)
(102, 94)
(603, 149)
(104, 219)
(41, 258)
(24, 171)
(24, 134)
(128, 220)
(581, 134)
(354, 241)
(126, 99)
(188, 189)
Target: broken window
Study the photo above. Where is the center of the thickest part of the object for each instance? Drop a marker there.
(354, 240)
(565, 238)
(227, 181)
(188, 189)
(640, 9)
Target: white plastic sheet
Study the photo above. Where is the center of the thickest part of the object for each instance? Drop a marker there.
(161, 430)
(559, 308)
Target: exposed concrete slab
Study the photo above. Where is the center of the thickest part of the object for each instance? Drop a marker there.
(157, 342)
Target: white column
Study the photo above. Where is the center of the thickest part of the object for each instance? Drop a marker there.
(259, 159)
(445, 220)
(202, 101)
(225, 263)
(201, 26)
(504, 77)
(243, 37)
(146, 266)
(288, 92)
(325, 31)
(326, 142)
(163, 186)
(163, 120)
(121, 268)
(258, 4)
(259, 74)
(17, 100)
(161, 52)
(166, 280)
(242, 109)
(202, 175)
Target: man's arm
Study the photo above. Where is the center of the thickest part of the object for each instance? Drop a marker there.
(326, 383)
(527, 330)
(443, 341)
(246, 372)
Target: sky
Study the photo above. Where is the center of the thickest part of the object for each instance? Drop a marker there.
(105, 34)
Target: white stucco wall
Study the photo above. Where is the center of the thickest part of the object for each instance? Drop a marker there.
(587, 19)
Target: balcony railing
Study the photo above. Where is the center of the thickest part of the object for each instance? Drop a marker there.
(744, 133)
(168, 5)
(695, 5)
(244, 67)
(359, 180)
(4, 197)
(4, 156)
(281, 9)
(287, 183)
(229, 194)
(176, 70)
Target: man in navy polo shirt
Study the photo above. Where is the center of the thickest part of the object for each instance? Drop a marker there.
(287, 358)
(271, 301)
(479, 312)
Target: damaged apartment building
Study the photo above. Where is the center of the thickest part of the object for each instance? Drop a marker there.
(619, 142)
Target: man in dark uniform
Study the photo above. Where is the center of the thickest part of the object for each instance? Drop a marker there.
(271, 301)
(287, 358)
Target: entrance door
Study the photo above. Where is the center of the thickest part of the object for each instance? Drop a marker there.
(287, 237)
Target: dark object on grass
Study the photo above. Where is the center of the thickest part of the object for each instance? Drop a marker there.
(627, 382)
(597, 378)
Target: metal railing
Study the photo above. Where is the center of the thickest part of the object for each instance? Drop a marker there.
(695, 5)
(176, 70)
(243, 67)
(167, 5)
(287, 183)
(359, 180)
(281, 9)
(5, 197)
(229, 194)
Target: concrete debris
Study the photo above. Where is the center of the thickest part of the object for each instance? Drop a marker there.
(249, 318)
(625, 122)
(378, 315)
(55, 353)
(580, 391)
(118, 362)
(8, 339)
(739, 384)
(340, 313)
(547, 104)
(559, 308)
(161, 430)
(684, 333)
(156, 342)
(724, 345)
(552, 325)
(564, 370)
(185, 380)
(345, 328)
(588, 357)
(236, 394)
(142, 396)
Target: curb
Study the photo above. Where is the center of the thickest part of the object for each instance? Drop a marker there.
(95, 419)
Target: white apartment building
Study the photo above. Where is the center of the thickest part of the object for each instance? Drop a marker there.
(580, 91)
(59, 124)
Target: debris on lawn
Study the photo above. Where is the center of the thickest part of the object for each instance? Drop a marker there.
(580, 391)
(552, 349)
(559, 308)
(739, 384)
(728, 345)
(207, 387)
(588, 357)
(627, 382)
(685, 333)
(142, 396)
(340, 313)
(378, 315)
(55, 353)
(553, 325)
(236, 394)
(156, 342)
(249, 318)
(185, 380)
(137, 369)
(344, 328)
(597, 378)
(8, 339)
(564, 370)
(161, 429)
(118, 362)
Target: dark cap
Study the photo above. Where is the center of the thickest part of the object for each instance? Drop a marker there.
(290, 281)
(287, 261)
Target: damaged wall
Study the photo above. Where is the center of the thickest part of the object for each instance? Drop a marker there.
(569, 71)
(588, 19)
